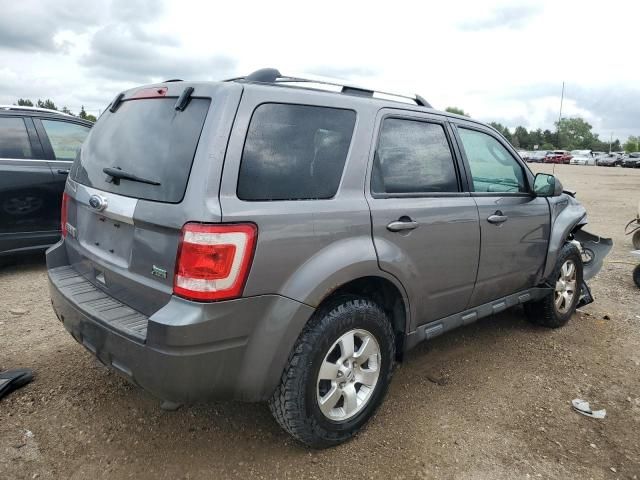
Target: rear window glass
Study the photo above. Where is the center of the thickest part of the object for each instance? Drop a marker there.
(413, 157)
(294, 152)
(148, 139)
(14, 141)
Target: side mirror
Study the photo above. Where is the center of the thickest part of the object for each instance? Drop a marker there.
(546, 185)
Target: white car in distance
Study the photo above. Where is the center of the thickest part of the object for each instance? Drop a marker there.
(582, 157)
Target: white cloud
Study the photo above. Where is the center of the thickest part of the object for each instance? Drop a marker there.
(497, 59)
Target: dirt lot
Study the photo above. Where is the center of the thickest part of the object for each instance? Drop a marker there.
(488, 401)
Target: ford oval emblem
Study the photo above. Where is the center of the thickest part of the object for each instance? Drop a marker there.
(97, 202)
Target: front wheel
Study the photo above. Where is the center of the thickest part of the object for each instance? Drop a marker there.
(556, 308)
(337, 373)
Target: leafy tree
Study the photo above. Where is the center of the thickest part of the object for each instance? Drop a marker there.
(536, 138)
(523, 138)
(632, 144)
(457, 111)
(615, 146)
(502, 129)
(25, 102)
(66, 110)
(91, 118)
(575, 133)
(83, 113)
(547, 146)
(548, 137)
(46, 104)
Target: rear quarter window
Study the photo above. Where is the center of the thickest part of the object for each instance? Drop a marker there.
(65, 138)
(294, 152)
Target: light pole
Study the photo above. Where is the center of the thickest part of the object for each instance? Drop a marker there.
(560, 116)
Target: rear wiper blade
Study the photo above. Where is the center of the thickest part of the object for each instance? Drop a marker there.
(118, 174)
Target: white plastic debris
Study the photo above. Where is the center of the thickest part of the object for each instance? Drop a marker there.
(583, 407)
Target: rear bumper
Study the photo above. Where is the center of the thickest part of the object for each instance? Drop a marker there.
(189, 351)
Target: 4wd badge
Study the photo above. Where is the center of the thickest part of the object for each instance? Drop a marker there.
(158, 272)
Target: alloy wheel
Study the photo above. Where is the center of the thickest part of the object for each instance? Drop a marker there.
(348, 375)
(566, 287)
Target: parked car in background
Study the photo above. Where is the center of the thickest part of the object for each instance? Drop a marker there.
(524, 155)
(565, 156)
(553, 157)
(37, 149)
(632, 161)
(261, 241)
(582, 157)
(609, 160)
(537, 156)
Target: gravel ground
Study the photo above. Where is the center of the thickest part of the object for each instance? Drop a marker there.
(488, 401)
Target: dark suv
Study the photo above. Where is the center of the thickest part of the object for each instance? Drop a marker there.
(37, 148)
(263, 239)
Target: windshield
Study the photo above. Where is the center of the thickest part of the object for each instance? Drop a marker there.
(147, 139)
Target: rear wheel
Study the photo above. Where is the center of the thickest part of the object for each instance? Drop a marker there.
(556, 308)
(337, 374)
(636, 276)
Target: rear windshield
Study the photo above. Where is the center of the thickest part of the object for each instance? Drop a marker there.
(148, 139)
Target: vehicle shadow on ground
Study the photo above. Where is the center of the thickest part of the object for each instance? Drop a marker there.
(249, 428)
(20, 263)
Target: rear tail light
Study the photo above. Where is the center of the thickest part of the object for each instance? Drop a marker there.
(214, 260)
(63, 214)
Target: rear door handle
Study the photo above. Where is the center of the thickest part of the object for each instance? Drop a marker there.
(497, 218)
(402, 225)
(63, 172)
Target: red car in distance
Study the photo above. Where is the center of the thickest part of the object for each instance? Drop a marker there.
(558, 156)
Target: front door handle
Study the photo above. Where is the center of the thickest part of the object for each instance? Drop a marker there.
(402, 225)
(497, 218)
(63, 171)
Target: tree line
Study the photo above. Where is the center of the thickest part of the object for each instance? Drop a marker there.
(25, 102)
(570, 134)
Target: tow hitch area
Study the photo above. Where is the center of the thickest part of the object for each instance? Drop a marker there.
(593, 249)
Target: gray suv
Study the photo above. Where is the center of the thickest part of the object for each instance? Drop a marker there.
(264, 239)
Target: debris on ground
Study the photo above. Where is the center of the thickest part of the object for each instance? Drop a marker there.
(583, 407)
(13, 379)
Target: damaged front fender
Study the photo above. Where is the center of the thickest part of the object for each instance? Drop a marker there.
(568, 216)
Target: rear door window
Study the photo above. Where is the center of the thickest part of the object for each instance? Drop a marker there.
(294, 152)
(413, 157)
(14, 141)
(65, 138)
(149, 139)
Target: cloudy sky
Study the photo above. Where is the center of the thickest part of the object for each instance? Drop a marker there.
(499, 60)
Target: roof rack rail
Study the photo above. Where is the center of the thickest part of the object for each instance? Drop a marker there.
(32, 109)
(273, 76)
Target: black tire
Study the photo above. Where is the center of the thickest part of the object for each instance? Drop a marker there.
(294, 404)
(636, 275)
(544, 312)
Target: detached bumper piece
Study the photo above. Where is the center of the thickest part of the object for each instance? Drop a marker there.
(594, 249)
